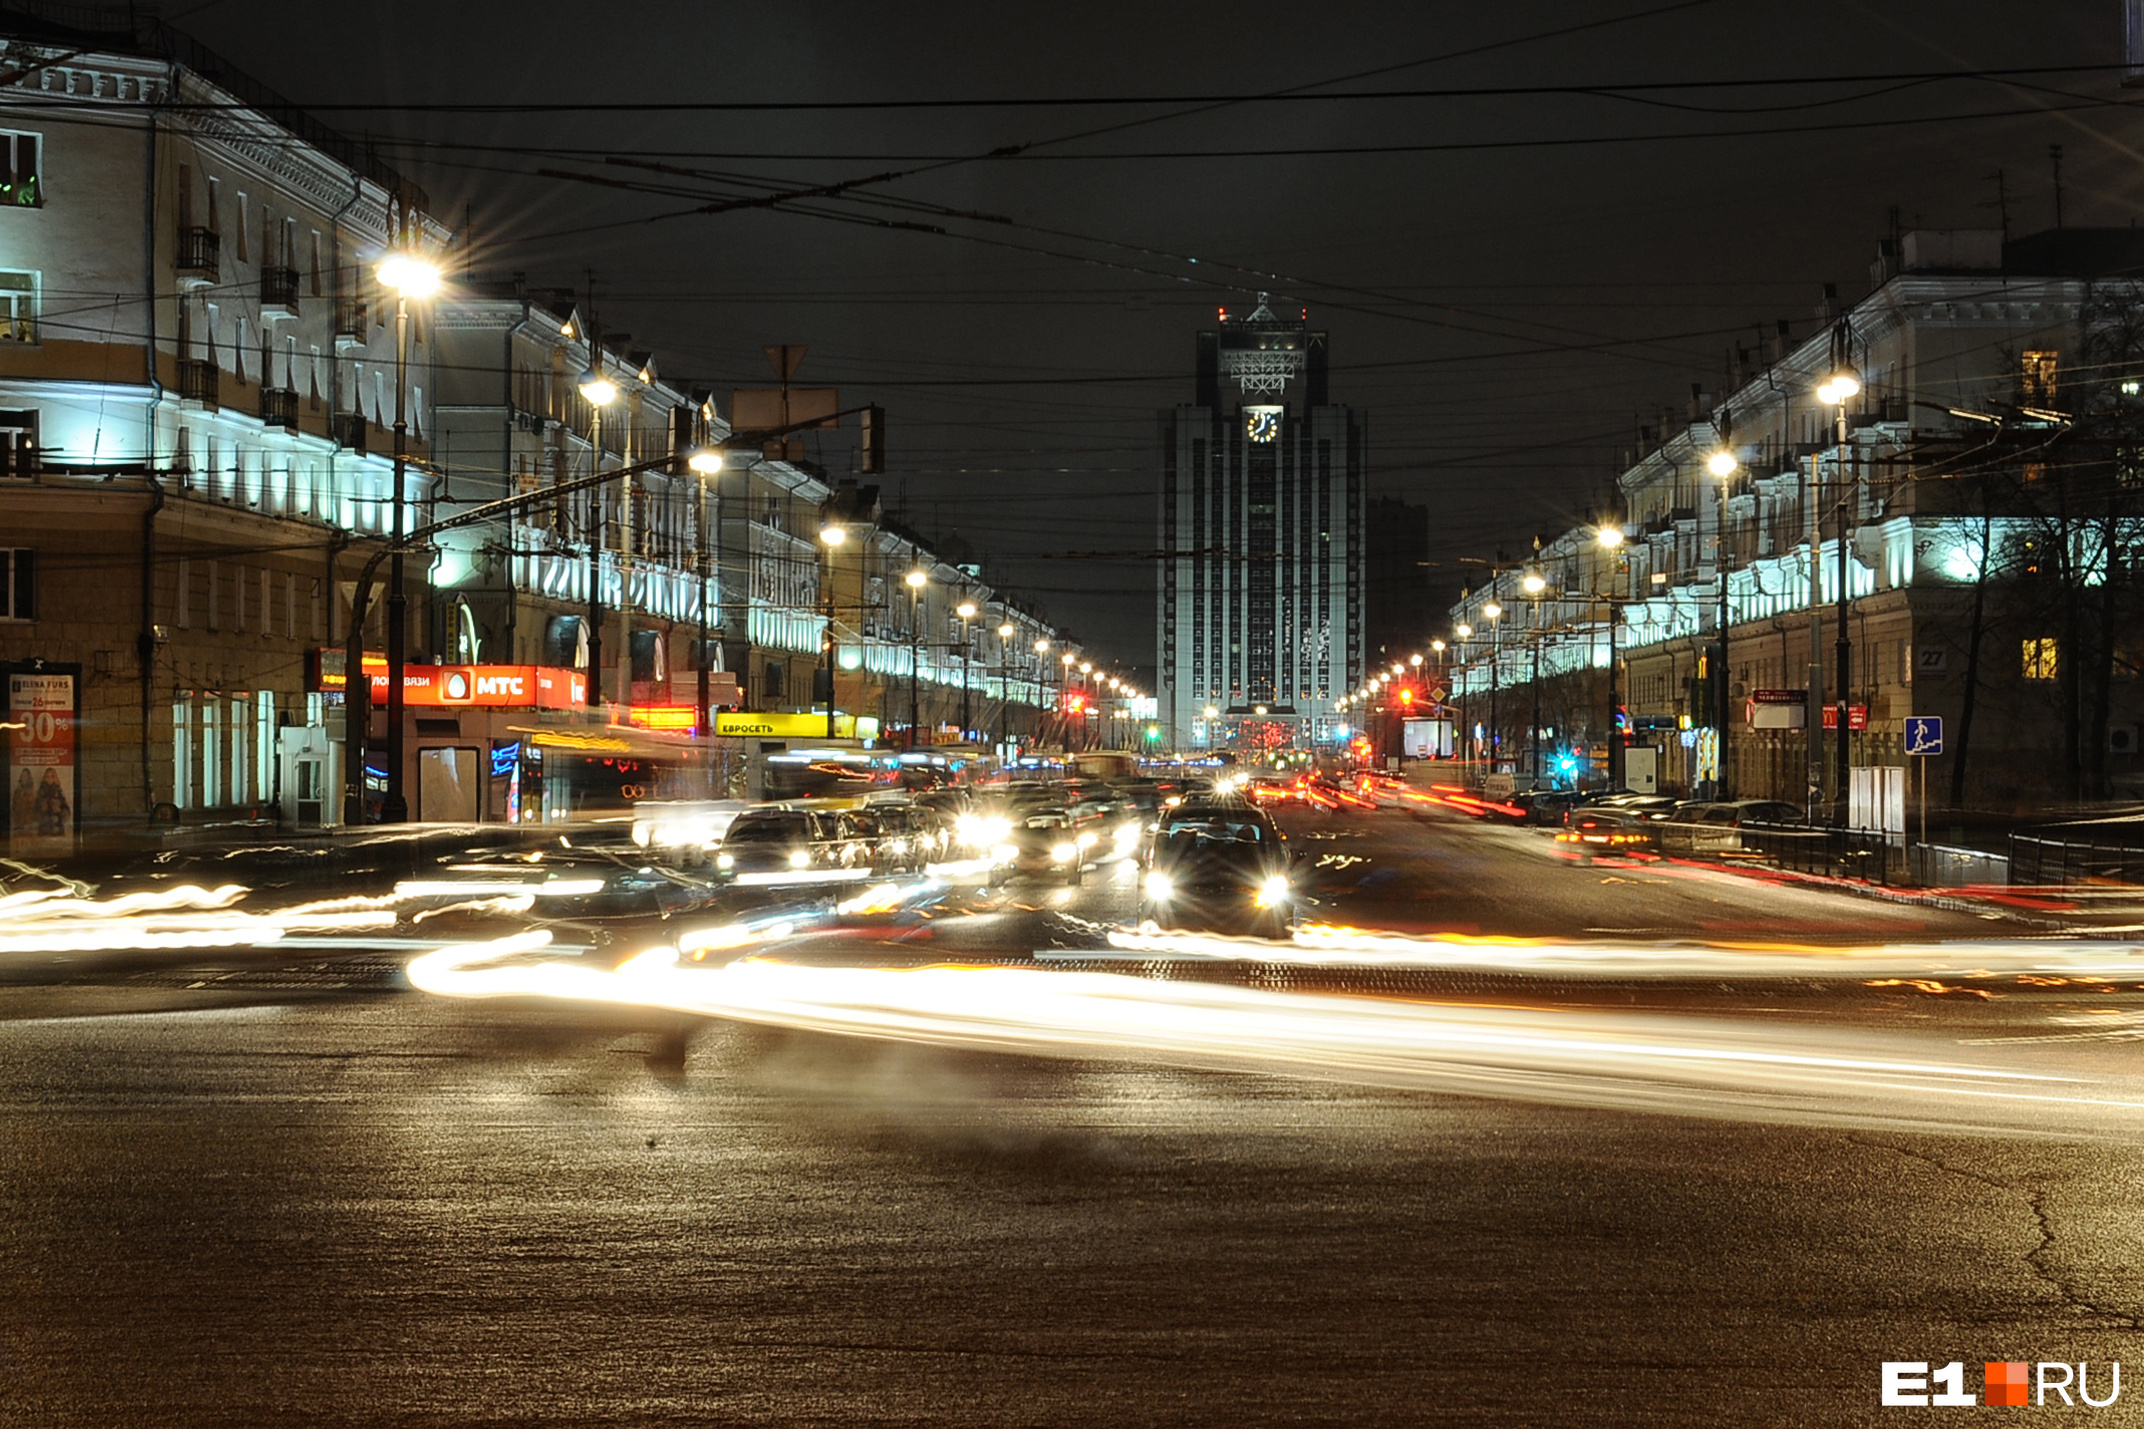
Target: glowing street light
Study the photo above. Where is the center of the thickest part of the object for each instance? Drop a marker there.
(597, 390)
(411, 275)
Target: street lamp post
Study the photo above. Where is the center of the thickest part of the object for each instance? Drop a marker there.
(1610, 538)
(1064, 695)
(411, 276)
(1534, 584)
(705, 463)
(1496, 659)
(599, 392)
(1042, 648)
(916, 581)
(1005, 633)
(1723, 465)
(1835, 394)
(831, 536)
(966, 611)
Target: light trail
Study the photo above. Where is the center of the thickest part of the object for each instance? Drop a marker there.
(1704, 1065)
(1324, 946)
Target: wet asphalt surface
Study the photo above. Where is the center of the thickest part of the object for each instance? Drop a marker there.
(278, 1189)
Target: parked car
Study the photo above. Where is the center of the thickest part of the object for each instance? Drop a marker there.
(1545, 806)
(1219, 867)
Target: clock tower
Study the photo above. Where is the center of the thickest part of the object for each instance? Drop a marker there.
(1261, 524)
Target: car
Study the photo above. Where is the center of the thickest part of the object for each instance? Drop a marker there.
(769, 840)
(1220, 867)
(1716, 828)
(1056, 840)
(1630, 827)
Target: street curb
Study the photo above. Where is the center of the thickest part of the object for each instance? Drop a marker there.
(1887, 895)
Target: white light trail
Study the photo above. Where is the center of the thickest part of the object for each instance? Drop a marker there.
(1709, 1065)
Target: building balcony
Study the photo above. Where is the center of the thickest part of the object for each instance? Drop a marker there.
(279, 408)
(199, 252)
(200, 380)
(353, 431)
(351, 322)
(279, 291)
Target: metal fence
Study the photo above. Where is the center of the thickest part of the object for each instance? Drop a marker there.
(1822, 849)
(2038, 860)
(1941, 866)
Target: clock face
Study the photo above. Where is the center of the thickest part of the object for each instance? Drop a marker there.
(1261, 424)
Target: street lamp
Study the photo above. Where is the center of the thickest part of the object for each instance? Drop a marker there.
(966, 611)
(1723, 465)
(916, 580)
(831, 536)
(1835, 394)
(1611, 538)
(599, 392)
(1005, 634)
(1064, 683)
(1494, 612)
(705, 463)
(411, 275)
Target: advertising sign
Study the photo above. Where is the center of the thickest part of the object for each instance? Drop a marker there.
(44, 777)
(791, 726)
(539, 687)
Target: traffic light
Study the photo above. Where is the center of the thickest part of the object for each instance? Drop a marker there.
(1153, 731)
(1407, 698)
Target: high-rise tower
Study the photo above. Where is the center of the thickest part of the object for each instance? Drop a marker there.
(1260, 606)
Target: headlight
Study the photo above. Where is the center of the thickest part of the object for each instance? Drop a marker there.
(1062, 853)
(725, 860)
(981, 830)
(1158, 888)
(800, 859)
(1273, 891)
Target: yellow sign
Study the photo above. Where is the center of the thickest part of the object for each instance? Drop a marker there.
(793, 726)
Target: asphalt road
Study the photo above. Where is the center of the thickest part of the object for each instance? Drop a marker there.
(301, 1193)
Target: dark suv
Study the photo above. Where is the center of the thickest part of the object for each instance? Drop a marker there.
(1222, 867)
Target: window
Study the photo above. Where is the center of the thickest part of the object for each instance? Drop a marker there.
(2036, 378)
(182, 752)
(18, 307)
(20, 185)
(2040, 659)
(18, 583)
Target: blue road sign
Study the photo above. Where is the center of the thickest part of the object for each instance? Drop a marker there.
(1924, 735)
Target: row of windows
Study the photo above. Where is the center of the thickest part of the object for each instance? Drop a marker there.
(238, 598)
(223, 746)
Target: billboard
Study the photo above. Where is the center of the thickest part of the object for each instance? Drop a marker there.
(1427, 739)
(44, 769)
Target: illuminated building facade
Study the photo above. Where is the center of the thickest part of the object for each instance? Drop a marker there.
(1261, 524)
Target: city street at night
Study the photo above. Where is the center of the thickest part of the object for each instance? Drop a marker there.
(1134, 714)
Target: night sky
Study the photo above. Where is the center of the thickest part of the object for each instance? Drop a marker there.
(1511, 286)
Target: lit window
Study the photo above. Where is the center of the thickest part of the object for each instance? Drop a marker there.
(20, 186)
(18, 307)
(2036, 378)
(2040, 659)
